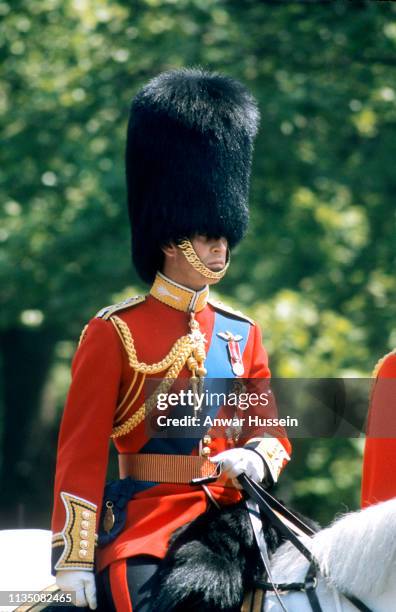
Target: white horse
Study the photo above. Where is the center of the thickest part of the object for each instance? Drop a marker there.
(356, 555)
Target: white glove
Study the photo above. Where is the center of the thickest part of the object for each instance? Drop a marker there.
(82, 583)
(238, 460)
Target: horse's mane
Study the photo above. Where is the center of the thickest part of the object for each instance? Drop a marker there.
(357, 553)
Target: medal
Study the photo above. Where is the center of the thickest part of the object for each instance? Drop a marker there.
(234, 352)
(238, 368)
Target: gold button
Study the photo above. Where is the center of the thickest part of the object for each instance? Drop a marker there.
(86, 514)
(82, 553)
(84, 524)
(83, 533)
(205, 451)
(206, 439)
(84, 544)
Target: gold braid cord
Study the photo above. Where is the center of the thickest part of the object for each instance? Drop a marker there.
(174, 360)
(144, 368)
(82, 335)
(193, 259)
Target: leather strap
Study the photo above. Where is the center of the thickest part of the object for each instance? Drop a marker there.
(257, 526)
(175, 469)
(310, 588)
(264, 500)
(273, 509)
(357, 603)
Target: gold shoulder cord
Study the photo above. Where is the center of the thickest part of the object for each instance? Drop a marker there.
(187, 349)
(144, 368)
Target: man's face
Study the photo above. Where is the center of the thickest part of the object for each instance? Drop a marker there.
(211, 251)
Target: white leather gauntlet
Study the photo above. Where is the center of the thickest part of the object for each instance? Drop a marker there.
(82, 583)
(241, 460)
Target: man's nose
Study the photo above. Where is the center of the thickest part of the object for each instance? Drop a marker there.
(219, 245)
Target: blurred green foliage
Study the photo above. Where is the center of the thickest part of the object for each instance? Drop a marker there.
(318, 267)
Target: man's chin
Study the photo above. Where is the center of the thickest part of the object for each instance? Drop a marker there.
(216, 267)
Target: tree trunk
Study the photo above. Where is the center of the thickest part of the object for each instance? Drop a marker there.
(26, 359)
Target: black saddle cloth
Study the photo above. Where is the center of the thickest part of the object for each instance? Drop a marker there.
(211, 562)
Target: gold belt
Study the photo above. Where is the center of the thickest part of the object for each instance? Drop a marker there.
(176, 469)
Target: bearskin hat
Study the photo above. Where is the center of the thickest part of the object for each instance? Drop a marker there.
(188, 160)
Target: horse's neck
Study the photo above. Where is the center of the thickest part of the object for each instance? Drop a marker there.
(288, 565)
(358, 552)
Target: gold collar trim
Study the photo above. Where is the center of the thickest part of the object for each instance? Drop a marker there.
(177, 296)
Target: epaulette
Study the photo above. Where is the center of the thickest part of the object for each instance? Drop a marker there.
(380, 362)
(107, 311)
(225, 308)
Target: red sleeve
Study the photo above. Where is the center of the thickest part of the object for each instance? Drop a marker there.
(83, 446)
(379, 460)
(270, 442)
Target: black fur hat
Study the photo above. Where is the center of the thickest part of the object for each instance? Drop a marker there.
(188, 158)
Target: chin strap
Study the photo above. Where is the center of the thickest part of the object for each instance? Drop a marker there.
(189, 253)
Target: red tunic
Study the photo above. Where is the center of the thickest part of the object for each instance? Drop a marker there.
(105, 392)
(379, 462)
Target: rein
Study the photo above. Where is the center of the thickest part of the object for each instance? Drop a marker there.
(272, 508)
